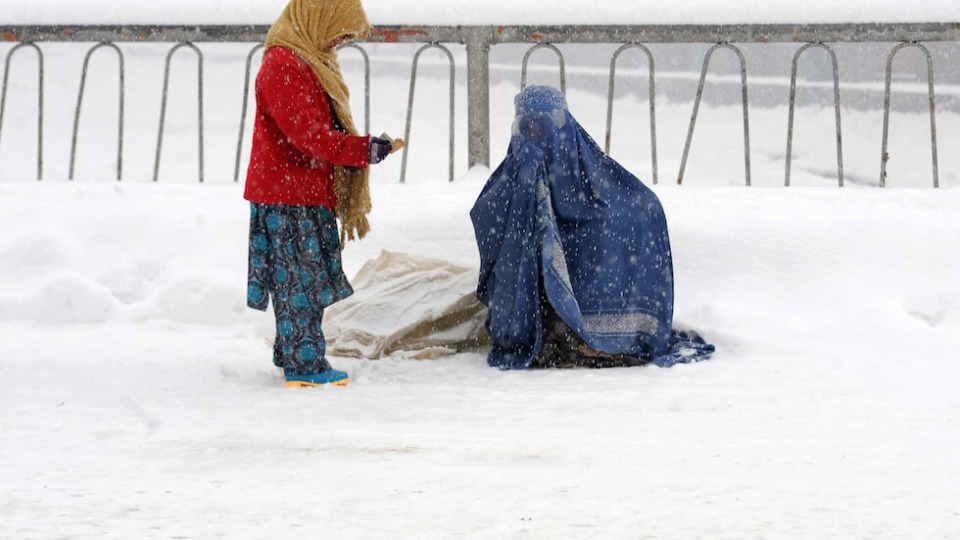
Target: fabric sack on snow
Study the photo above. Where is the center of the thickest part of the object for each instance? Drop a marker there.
(410, 306)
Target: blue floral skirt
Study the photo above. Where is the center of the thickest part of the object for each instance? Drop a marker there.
(295, 261)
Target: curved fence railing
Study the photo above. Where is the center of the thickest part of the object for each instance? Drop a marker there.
(836, 107)
(477, 41)
(884, 156)
(163, 106)
(121, 98)
(696, 108)
(3, 97)
(652, 98)
(526, 62)
(413, 82)
(243, 109)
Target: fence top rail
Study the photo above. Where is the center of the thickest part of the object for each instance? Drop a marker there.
(749, 33)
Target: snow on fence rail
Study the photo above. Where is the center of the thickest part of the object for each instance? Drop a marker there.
(477, 41)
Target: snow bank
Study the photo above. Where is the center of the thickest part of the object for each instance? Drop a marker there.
(139, 399)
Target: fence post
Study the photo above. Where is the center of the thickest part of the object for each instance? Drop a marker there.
(478, 97)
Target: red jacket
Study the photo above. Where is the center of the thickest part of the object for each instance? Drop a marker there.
(295, 141)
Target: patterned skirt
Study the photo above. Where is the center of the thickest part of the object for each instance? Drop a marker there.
(294, 260)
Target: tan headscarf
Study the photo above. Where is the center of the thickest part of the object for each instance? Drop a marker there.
(304, 27)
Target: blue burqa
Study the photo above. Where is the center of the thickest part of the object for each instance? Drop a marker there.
(560, 214)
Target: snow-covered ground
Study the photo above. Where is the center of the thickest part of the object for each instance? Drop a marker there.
(138, 400)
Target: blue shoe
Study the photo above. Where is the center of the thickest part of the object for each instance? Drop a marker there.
(330, 376)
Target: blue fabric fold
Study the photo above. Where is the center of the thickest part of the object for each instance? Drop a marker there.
(686, 346)
(560, 214)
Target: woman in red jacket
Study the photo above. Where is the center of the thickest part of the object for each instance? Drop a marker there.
(308, 168)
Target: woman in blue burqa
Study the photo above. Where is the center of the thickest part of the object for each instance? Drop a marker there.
(575, 262)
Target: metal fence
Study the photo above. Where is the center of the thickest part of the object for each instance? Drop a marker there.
(477, 41)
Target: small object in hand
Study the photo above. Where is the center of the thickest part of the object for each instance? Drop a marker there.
(379, 149)
(397, 144)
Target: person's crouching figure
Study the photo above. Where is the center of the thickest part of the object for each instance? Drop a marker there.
(575, 262)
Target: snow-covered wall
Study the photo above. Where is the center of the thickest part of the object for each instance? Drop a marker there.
(482, 12)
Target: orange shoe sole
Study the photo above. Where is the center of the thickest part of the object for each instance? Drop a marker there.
(304, 384)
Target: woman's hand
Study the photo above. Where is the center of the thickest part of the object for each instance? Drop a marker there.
(379, 149)
(382, 146)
